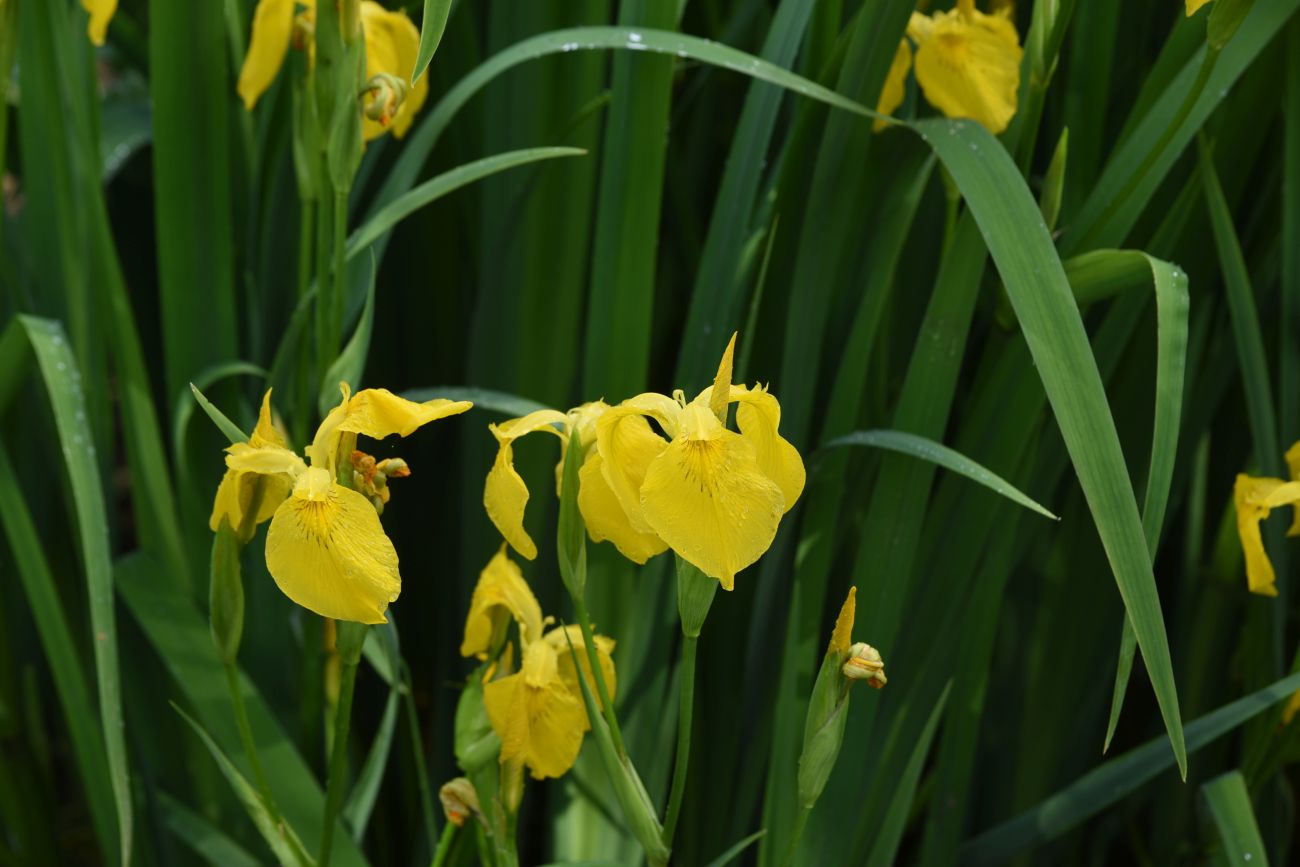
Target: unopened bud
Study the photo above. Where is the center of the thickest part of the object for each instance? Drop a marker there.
(394, 468)
(864, 663)
(387, 92)
(459, 801)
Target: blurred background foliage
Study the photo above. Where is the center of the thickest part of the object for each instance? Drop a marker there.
(159, 224)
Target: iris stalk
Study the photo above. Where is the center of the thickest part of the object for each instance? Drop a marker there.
(349, 639)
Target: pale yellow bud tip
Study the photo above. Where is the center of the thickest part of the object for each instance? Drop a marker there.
(459, 801)
(864, 663)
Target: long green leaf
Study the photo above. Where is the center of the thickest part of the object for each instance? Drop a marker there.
(1107, 784)
(280, 837)
(1027, 260)
(432, 26)
(733, 852)
(207, 841)
(185, 408)
(392, 213)
(1228, 803)
(890, 831)
(59, 371)
(926, 449)
(350, 365)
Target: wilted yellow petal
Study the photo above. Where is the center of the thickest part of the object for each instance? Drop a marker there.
(272, 29)
(842, 635)
(605, 518)
(501, 594)
(968, 65)
(504, 493)
(706, 496)
(378, 413)
(101, 11)
(1193, 5)
(759, 417)
(327, 552)
(627, 445)
(891, 95)
(538, 720)
(1254, 499)
(559, 638)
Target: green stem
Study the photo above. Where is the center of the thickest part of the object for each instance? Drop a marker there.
(324, 292)
(246, 738)
(338, 760)
(799, 822)
(606, 706)
(685, 710)
(306, 234)
(421, 769)
(339, 283)
(1154, 154)
(444, 845)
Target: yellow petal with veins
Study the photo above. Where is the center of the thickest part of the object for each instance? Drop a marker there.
(706, 496)
(968, 65)
(538, 720)
(501, 594)
(605, 518)
(101, 11)
(559, 638)
(504, 493)
(1254, 499)
(895, 88)
(328, 552)
(759, 416)
(378, 413)
(272, 30)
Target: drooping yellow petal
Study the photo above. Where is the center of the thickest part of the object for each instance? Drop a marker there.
(101, 11)
(392, 43)
(272, 30)
(605, 518)
(968, 65)
(759, 417)
(269, 460)
(539, 721)
(266, 433)
(1254, 499)
(328, 552)
(627, 444)
(378, 413)
(559, 638)
(504, 493)
(842, 635)
(501, 594)
(1193, 5)
(706, 496)
(891, 95)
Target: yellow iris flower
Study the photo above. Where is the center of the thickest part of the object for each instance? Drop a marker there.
(326, 548)
(392, 43)
(967, 64)
(1254, 499)
(713, 495)
(101, 12)
(538, 711)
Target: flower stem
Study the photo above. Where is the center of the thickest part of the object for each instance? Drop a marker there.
(306, 235)
(421, 769)
(246, 738)
(607, 706)
(324, 295)
(338, 759)
(799, 822)
(685, 711)
(339, 284)
(444, 845)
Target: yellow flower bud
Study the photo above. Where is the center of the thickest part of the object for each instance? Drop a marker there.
(864, 663)
(459, 801)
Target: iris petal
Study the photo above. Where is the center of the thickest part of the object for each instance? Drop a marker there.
(501, 594)
(504, 493)
(328, 552)
(272, 30)
(706, 496)
(759, 416)
(538, 720)
(968, 65)
(1254, 499)
(605, 518)
(627, 445)
(378, 413)
(101, 11)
